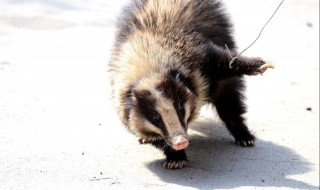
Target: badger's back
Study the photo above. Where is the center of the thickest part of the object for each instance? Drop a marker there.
(176, 17)
(169, 29)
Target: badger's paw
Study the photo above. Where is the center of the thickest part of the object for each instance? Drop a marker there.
(175, 164)
(148, 140)
(143, 140)
(262, 66)
(245, 138)
(245, 143)
(267, 65)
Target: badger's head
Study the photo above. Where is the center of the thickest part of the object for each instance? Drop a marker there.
(161, 106)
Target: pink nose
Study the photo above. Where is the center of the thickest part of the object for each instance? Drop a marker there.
(180, 143)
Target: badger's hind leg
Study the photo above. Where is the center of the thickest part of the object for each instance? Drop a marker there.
(175, 159)
(230, 107)
(227, 68)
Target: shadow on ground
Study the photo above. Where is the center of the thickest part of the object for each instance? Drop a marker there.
(216, 162)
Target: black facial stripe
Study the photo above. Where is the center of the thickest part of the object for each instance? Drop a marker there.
(192, 113)
(155, 119)
(180, 109)
(146, 106)
(181, 78)
(181, 114)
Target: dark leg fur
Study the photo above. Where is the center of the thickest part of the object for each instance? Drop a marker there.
(175, 159)
(218, 67)
(230, 107)
(227, 86)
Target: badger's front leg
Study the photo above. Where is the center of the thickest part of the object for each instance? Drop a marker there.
(148, 140)
(175, 159)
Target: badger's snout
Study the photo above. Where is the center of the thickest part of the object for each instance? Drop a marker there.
(179, 142)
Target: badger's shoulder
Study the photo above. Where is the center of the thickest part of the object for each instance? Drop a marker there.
(176, 17)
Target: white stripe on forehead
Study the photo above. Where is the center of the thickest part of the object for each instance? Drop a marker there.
(169, 104)
(170, 118)
(187, 112)
(152, 128)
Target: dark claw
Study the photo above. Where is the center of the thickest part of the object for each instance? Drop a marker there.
(244, 143)
(175, 164)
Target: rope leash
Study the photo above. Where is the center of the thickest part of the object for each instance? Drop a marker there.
(236, 57)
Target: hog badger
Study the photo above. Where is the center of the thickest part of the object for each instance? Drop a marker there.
(168, 60)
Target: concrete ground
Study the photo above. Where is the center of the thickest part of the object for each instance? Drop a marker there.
(58, 129)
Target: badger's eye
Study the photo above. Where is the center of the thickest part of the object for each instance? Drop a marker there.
(181, 110)
(155, 119)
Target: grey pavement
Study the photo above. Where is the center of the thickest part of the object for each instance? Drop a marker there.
(58, 129)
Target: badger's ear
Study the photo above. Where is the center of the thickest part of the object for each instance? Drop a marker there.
(182, 79)
(133, 94)
(178, 77)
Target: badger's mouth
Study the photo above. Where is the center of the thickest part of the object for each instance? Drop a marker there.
(180, 142)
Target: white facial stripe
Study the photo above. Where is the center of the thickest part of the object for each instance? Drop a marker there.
(152, 128)
(169, 115)
(187, 112)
